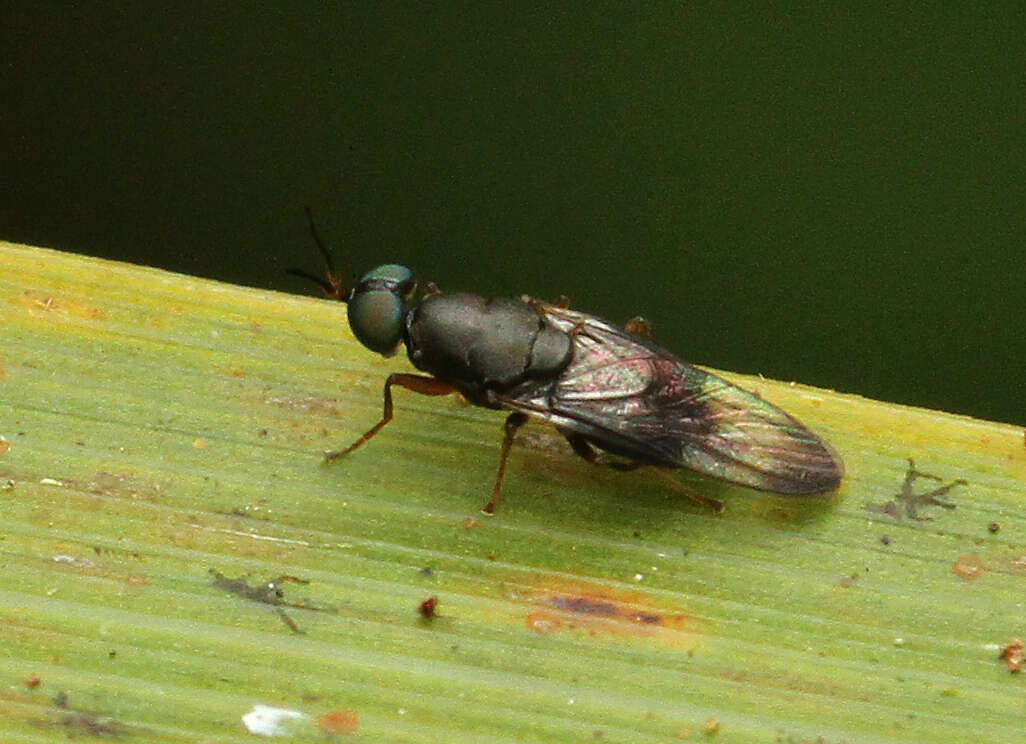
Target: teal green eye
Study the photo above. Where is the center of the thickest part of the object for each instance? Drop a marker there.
(377, 305)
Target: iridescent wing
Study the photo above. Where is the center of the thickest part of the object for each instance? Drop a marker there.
(629, 397)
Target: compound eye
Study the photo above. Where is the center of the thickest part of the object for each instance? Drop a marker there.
(376, 317)
(377, 306)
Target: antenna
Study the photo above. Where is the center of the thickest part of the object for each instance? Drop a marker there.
(334, 284)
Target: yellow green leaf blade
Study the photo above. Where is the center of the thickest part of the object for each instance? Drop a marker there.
(163, 437)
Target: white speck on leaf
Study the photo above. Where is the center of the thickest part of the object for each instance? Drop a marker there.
(265, 720)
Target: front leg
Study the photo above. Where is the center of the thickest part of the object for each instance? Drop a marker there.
(417, 383)
(513, 422)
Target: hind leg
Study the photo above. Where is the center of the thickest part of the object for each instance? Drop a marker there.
(583, 448)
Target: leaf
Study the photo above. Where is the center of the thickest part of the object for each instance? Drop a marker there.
(176, 553)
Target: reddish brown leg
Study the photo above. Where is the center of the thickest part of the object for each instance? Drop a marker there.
(417, 383)
(513, 422)
(707, 501)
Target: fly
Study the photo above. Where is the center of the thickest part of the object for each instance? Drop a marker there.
(605, 388)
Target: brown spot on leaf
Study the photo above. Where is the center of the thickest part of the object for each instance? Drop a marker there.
(4, 445)
(594, 610)
(968, 567)
(32, 681)
(339, 722)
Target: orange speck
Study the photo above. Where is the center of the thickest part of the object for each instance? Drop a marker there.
(469, 523)
(4, 445)
(339, 722)
(2, 373)
(684, 733)
(32, 681)
(199, 444)
(712, 725)
(136, 581)
(238, 373)
(968, 567)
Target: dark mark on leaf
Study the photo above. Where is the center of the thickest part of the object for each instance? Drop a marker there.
(78, 722)
(908, 504)
(269, 593)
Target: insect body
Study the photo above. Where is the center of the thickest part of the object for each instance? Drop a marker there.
(603, 387)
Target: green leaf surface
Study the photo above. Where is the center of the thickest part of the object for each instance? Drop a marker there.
(175, 552)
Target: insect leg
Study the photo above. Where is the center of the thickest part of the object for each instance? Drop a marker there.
(417, 383)
(707, 501)
(582, 448)
(513, 422)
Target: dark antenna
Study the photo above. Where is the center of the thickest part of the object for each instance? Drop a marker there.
(334, 285)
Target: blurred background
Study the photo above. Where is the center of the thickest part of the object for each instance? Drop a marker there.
(833, 195)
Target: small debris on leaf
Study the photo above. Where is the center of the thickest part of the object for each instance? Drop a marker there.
(1012, 654)
(427, 608)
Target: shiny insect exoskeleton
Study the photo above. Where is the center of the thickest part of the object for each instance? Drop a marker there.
(602, 386)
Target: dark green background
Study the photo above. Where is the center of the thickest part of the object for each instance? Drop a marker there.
(833, 195)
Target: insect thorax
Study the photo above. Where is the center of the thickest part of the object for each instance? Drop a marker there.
(479, 344)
